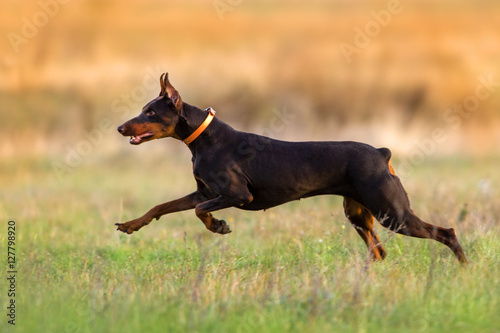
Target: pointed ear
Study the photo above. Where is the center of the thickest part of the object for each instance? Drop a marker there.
(168, 90)
(162, 84)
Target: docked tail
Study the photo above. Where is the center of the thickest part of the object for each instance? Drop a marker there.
(386, 154)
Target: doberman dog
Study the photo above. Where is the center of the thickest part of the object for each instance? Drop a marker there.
(253, 172)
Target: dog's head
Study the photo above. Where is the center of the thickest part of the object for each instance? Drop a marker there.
(158, 118)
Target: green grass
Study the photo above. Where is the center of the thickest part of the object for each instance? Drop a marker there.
(295, 268)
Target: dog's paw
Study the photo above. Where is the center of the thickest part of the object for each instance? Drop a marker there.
(131, 226)
(220, 227)
(124, 227)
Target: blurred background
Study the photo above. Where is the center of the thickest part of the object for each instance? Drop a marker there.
(409, 75)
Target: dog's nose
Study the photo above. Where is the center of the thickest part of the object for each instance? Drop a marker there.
(121, 129)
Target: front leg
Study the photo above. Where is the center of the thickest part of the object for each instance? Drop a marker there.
(188, 202)
(203, 210)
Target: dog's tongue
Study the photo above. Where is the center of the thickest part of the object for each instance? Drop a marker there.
(135, 139)
(138, 138)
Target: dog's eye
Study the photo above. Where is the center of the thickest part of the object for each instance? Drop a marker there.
(149, 113)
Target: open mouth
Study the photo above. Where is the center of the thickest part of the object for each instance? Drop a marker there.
(135, 140)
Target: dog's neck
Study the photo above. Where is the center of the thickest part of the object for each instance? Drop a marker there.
(191, 118)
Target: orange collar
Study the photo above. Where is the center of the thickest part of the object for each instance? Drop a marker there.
(203, 126)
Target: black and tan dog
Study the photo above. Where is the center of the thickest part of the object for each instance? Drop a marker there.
(253, 172)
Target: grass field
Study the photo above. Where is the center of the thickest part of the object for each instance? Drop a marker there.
(295, 268)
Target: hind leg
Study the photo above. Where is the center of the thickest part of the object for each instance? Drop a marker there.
(388, 202)
(363, 220)
(415, 227)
